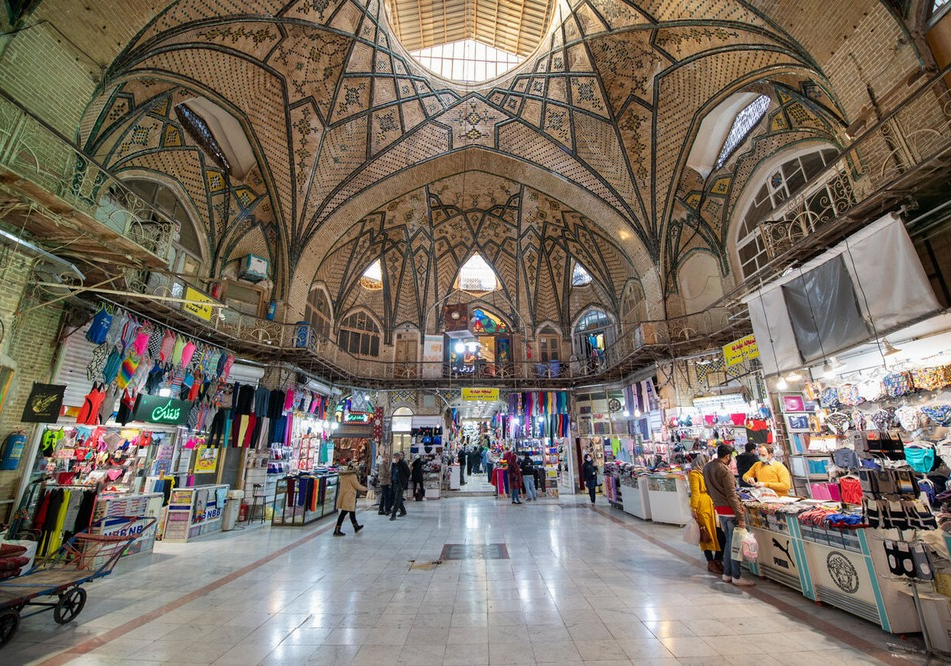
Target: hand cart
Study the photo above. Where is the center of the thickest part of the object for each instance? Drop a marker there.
(84, 557)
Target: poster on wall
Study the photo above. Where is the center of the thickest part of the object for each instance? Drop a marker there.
(44, 403)
(206, 459)
(432, 356)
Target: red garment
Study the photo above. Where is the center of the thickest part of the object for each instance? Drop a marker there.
(252, 419)
(851, 490)
(89, 412)
(515, 474)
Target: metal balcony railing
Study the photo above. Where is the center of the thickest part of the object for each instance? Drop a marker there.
(40, 155)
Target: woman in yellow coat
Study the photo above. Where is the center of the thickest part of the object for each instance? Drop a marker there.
(347, 487)
(701, 505)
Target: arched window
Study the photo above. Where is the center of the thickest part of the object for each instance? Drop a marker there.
(775, 201)
(185, 256)
(579, 276)
(359, 335)
(743, 124)
(593, 333)
(476, 276)
(549, 344)
(937, 6)
(318, 312)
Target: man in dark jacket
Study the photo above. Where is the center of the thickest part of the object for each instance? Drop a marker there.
(462, 458)
(745, 461)
(721, 485)
(417, 477)
(399, 482)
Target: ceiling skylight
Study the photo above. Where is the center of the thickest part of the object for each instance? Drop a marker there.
(743, 124)
(476, 275)
(372, 277)
(580, 276)
(466, 60)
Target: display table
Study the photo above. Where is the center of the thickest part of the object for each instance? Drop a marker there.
(841, 567)
(635, 498)
(431, 484)
(669, 499)
(110, 518)
(194, 512)
(300, 500)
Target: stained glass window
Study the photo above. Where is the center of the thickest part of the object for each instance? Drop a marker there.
(744, 122)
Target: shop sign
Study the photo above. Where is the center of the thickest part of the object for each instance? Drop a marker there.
(152, 409)
(44, 403)
(480, 394)
(740, 350)
(195, 305)
(358, 417)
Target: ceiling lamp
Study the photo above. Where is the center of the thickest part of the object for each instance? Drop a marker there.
(888, 349)
(782, 384)
(828, 372)
(637, 413)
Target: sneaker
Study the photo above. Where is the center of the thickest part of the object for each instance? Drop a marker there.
(742, 582)
(727, 579)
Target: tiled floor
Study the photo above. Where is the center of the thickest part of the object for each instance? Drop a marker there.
(582, 586)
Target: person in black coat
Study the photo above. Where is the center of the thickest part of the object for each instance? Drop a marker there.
(590, 475)
(417, 477)
(745, 461)
(462, 465)
(400, 481)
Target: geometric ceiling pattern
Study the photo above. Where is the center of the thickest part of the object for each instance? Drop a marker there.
(425, 236)
(342, 122)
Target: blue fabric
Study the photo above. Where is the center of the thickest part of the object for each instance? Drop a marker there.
(99, 327)
(919, 458)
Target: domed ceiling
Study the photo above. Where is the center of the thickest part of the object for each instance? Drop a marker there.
(352, 139)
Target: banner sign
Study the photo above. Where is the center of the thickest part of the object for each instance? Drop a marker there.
(195, 307)
(44, 404)
(480, 394)
(154, 409)
(741, 350)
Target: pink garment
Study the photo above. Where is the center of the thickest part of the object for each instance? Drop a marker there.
(141, 343)
(289, 400)
(168, 344)
(227, 369)
(187, 352)
(710, 419)
(738, 419)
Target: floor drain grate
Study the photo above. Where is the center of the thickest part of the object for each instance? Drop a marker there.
(424, 566)
(474, 551)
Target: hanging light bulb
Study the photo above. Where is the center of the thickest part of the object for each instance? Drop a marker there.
(781, 383)
(626, 413)
(637, 413)
(828, 372)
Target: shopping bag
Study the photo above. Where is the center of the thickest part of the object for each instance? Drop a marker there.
(736, 546)
(750, 547)
(692, 532)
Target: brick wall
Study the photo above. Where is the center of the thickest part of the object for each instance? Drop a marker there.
(38, 70)
(29, 346)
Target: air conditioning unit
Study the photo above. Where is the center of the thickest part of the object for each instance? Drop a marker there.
(253, 268)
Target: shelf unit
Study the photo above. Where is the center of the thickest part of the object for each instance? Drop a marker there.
(290, 514)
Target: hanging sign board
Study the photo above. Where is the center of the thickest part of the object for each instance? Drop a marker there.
(43, 404)
(740, 350)
(195, 307)
(153, 409)
(480, 394)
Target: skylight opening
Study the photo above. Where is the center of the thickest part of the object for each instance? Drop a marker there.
(467, 60)
(743, 124)
(477, 276)
(372, 277)
(580, 277)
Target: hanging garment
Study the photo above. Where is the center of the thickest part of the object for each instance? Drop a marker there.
(920, 458)
(187, 352)
(168, 346)
(113, 363)
(92, 403)
(99, 327)
(850, 489)
(109, 403)
(177, 351)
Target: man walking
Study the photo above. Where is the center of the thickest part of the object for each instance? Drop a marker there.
(399, 480)
(385, 475)
(721, 485)
(462, 457)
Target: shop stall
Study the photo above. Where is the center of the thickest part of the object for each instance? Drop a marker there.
(302, 498)
(111, 518)
(195, 512)
(669, 498)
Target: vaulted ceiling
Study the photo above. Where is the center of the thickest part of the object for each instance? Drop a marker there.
(343, 123)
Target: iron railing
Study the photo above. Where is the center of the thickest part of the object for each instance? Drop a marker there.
(39, 154)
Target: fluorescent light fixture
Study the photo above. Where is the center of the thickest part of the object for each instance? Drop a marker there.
(165, 393)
